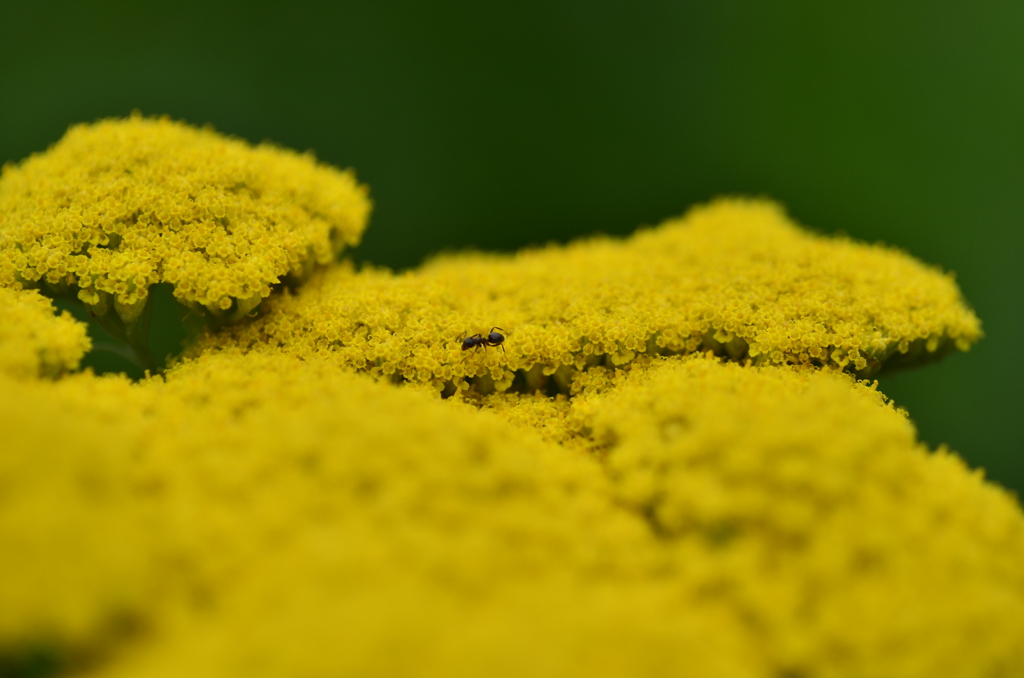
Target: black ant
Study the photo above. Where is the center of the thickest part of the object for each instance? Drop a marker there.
(477, 340)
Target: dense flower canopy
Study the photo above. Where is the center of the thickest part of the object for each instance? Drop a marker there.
(668, 468)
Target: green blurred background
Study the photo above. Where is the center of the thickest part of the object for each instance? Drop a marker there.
(500, 125)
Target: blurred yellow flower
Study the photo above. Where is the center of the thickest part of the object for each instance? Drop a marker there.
(259, 514)
(805, 504)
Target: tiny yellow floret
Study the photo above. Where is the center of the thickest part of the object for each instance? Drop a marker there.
(34, 341)
(120, 205)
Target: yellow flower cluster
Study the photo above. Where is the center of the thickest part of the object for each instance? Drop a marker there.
(120, 205)
(664, 466)
(35, 342)
(735, 277)
(256, 514)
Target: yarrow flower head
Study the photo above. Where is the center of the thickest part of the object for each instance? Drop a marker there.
(118, 206)
(735, 277)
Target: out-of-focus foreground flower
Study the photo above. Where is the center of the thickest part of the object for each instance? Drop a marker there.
(669, 466)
